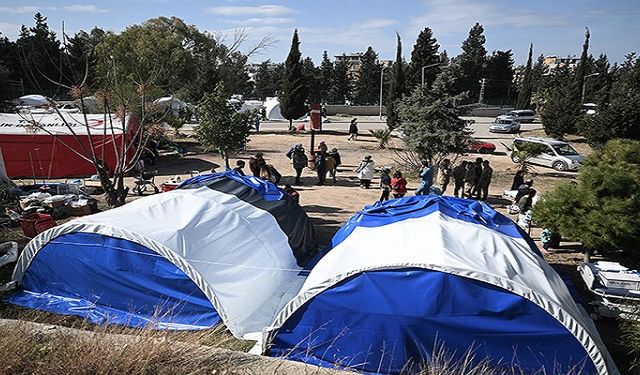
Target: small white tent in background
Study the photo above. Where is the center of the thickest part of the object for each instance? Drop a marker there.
(172, 102)
(34, 100)
(272, 106)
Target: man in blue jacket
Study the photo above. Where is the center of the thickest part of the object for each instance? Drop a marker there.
(426, 179)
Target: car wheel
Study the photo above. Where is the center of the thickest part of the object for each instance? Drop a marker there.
(559, 166)
(515, 158)
(483, 150)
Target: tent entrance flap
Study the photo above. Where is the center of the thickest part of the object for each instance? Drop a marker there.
(112, 280)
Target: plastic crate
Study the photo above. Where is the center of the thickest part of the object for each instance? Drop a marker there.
(34, 224)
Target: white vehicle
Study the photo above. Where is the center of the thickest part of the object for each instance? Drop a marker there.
(522, 115)
(69, 108)
(558, 155)
(505, 125)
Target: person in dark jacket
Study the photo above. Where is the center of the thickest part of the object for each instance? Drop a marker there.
(523, 190)
(269, 173)
(239, 166)
(385, 184)
(518, 180)
(321, 167)
(477, 174)
(458, 178)
(335, 155)
(485, 180)
(353, 130)
(299, 160)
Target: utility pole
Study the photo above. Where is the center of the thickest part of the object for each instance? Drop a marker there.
(482, 87)
(381, 82)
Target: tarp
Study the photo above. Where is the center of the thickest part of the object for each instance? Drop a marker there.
(43, 145)
(272, 107)
(181, 259)
(410, 275)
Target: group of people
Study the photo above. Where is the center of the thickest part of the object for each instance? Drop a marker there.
(324, 161)
(471, 179)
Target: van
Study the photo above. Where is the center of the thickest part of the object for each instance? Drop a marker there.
(522, 115)
(558, 155)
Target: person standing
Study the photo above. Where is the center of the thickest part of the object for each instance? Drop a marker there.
(485, 179)
(458, 178)
(477, 173)
(238, 168)
(353, 130)
(299, 160)
(468, 179)
(269, 173)
(257, 122)
(385, 184)
(524, 206)
(322, 146)
(338, 161)
(321, 166)
(426, 179)
(256, 163)
(444, 176)
(523, 190)
(518, 180)
(398, 185)
(365, 171)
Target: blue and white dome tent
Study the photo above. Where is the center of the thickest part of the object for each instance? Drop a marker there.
(409, 275)
(220, 248)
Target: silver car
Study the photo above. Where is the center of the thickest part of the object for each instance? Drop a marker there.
(505, 125)
(558, 155)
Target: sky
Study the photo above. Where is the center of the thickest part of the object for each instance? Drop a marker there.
(555, 27)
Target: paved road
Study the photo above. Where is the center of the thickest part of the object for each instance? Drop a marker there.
(480, 128)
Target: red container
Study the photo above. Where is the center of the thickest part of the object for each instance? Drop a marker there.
(34, 224)
(168, 186)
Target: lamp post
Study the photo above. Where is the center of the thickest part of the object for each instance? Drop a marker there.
(381, 79)
(584, 84)
(425, 67)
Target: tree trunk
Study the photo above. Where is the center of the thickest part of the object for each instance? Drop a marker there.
(587, 255)
(115, 195)
(290, 124)
(226, 161)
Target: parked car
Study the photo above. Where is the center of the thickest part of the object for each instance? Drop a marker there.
(482, 147)
(505, 125)
(68, 108)
(558, 155)
(522, 115)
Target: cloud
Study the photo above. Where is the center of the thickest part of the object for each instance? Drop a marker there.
(85, 9)
(262, 21)
(376, 23)
(262, 10)
(9, 30)
(451, 16)
(22, 9)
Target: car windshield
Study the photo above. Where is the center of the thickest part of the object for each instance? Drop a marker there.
(565, 149)
(504, 122)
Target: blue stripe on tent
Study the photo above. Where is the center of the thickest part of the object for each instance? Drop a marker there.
(391, 321)
(267, 190)
(395, 210)
(111, 280)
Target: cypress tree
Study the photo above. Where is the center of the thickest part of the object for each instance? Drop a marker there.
(499, 73)
(293, 87)
(524, 94)
(397, 87)
(326, 78)
(581, 70)
(425, 53)
(368, 84)
(472, 61)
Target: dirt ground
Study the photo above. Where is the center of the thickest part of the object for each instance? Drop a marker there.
(331, 205)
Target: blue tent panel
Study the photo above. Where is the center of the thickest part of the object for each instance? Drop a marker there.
(388, 321)
(112, 280)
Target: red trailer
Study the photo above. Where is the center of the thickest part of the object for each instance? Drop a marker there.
(41, 145)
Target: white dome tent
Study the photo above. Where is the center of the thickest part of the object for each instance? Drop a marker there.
(272, 107)
(412, 275)
(221, 247)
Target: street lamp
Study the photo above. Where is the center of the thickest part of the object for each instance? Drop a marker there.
(381, 78)
(425, 67)
(584, 84)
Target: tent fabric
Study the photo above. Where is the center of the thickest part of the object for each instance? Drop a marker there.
(233, 252)
(450, 236)
(366, 339)
(161, 294)
(266, 196)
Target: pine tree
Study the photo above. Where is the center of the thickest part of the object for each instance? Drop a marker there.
(499, 74)
(294, 87)
(473, 60)
(312, 78)
(341, 84)
(425, 53)
(524, 93)
(397, 87)
(326, 78)
(368, 84)
(558, 117)
(264, 81)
